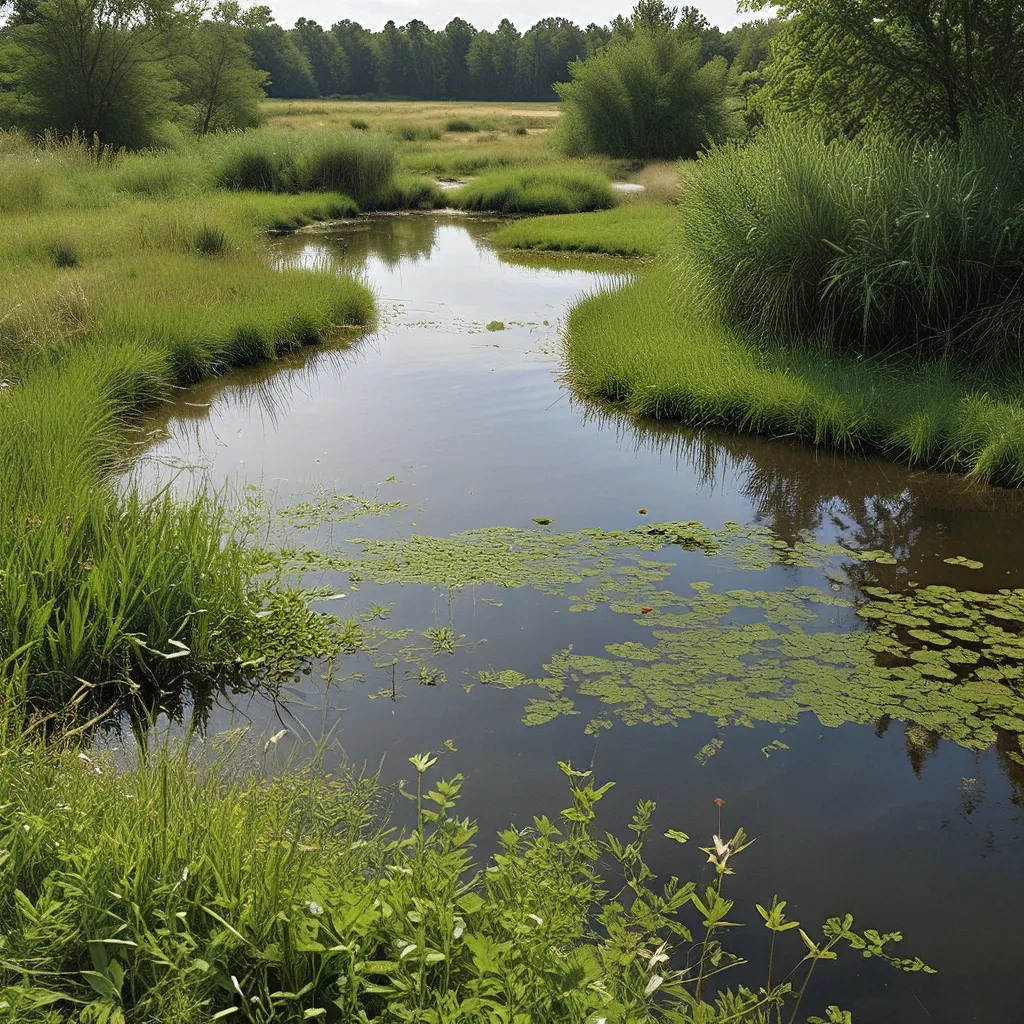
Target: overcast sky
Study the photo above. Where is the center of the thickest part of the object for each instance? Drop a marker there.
(481, 13)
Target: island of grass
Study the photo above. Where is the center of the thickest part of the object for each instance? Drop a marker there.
(632, 229)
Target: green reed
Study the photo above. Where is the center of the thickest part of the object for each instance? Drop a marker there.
(880, 245)
(540, 190)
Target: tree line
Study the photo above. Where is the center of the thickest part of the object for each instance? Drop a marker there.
(460, 62)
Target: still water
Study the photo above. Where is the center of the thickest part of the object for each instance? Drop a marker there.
(443, 422)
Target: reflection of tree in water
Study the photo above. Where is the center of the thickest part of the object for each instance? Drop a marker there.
(864, 503)
(392, 240)
(272, 389)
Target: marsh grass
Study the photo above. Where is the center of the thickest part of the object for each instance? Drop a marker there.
(656, 348)
(542, 190)
(866, 246)
(633, 229)
(357, 164)
(109, 298)
(186, 890)
(461, 124)
(65, 253)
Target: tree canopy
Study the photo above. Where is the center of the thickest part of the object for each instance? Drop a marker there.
(927, 67)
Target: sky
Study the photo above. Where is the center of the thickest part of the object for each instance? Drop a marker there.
(483, 14)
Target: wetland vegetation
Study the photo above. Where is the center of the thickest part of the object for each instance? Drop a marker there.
(809, 270)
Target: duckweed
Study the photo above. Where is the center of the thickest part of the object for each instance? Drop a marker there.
(949, 662)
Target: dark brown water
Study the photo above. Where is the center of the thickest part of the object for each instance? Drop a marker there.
(905, 829)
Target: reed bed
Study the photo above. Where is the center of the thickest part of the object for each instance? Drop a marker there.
(122, 280)
(547, 190)
(876, 245)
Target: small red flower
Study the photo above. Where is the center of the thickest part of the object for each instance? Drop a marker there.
(644, 609)
(719, 801)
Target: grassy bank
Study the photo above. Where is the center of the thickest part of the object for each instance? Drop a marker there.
(121, 281)
(655, 348)
(187, 892)
(631, 230)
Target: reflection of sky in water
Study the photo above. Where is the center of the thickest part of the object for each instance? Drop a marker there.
(476, 429)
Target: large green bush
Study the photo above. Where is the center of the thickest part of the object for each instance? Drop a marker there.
(647, 96)
(884, 244)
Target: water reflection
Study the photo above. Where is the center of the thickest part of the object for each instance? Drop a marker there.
(474, 430)
(921, 517)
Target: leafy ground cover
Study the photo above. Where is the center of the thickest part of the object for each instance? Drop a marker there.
(187, 892)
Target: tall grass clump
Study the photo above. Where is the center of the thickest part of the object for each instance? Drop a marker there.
(647, 97)
(358, 165)
(876, 245)
(187, 892)
(541, 190)
(257, 163)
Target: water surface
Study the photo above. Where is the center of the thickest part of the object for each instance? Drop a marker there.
(467, 425)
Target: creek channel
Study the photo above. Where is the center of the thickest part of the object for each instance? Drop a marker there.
(809, 655)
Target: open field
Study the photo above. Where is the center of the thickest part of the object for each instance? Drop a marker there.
(452, 140)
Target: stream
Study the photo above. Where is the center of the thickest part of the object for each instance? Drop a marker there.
(757, 662)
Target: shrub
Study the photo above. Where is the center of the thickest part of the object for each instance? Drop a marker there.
(545, 190)
(256, 164)
(460, 124)
(883, 244)
(644, 97)
(359, 125)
